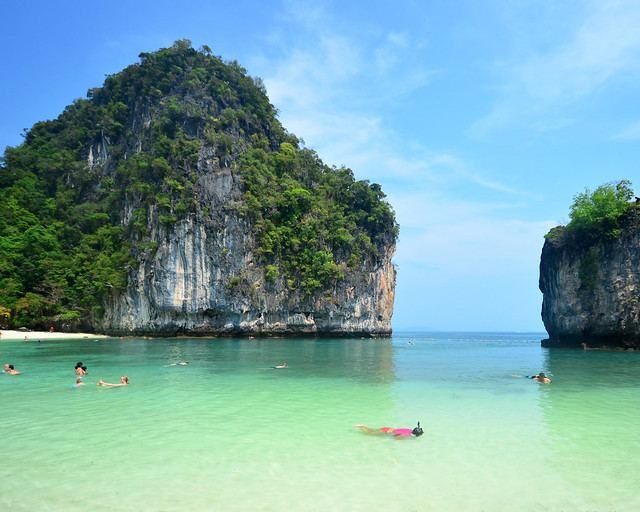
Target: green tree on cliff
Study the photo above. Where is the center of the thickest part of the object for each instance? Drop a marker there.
(597, 214)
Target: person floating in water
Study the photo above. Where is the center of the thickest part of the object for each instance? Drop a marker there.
(124, 381)
(80, 369)
(176, 364)
(398, 433)
(8, 368)
(283, 365)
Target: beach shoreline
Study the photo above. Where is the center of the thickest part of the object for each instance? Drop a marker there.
(45, 335)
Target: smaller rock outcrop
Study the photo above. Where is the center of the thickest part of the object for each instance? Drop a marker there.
(591, 291)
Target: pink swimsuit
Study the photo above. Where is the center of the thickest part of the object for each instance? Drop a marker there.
(397, 431)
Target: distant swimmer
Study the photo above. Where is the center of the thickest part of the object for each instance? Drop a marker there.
(283, 365)
(8, 368)
(80, 369)
(398, 433)
(176, 364)
(124, 381)
(78, 383)
(541, 377)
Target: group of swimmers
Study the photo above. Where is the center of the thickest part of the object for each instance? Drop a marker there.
(397, 433)
(81, 371)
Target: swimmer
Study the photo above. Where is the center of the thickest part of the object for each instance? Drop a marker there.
(542, 378)
(8, 368)
(124, 381)
(78, 383)
(283, 365)
(398, 433)
(176, 364)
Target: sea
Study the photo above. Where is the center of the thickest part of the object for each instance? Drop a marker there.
(229, 432)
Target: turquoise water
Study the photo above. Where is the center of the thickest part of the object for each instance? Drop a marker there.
(228, 433)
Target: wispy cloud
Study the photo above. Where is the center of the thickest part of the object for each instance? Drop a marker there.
(313, 86)
(631, 132)
(538, 86)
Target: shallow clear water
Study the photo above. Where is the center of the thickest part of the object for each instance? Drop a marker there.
(229, 433)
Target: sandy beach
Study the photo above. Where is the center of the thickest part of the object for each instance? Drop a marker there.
(44, 335)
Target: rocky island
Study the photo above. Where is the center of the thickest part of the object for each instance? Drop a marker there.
(171, 201)
(590, 273)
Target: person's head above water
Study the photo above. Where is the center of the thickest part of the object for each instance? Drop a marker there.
(417, 431)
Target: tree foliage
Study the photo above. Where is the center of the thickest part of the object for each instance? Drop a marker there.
(596, 214)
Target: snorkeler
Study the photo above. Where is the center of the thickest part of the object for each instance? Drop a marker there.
(398, 433)
(176, 364)
(541, 377)
(124, 381)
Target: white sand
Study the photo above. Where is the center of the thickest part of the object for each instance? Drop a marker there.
(45, 335)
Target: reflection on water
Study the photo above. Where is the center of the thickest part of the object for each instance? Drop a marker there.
(591, 412)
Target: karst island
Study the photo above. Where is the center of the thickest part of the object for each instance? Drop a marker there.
(590, 272)
(171, 201)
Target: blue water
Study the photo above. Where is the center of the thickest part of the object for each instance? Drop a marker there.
(227, 432)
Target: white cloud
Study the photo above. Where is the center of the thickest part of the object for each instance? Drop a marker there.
(605, 45)
(467, 240)
(389, 54)
(631, 132)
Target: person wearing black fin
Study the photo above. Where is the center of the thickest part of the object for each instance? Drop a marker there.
(398, 433)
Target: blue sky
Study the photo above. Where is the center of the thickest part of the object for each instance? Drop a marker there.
(481, 120)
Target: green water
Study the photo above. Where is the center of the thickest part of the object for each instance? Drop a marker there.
(228, 433)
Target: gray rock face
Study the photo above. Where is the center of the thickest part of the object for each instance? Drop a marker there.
(591, 294)
(203, 280)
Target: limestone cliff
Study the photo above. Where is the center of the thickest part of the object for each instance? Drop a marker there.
(204, 279)
(591, 292)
